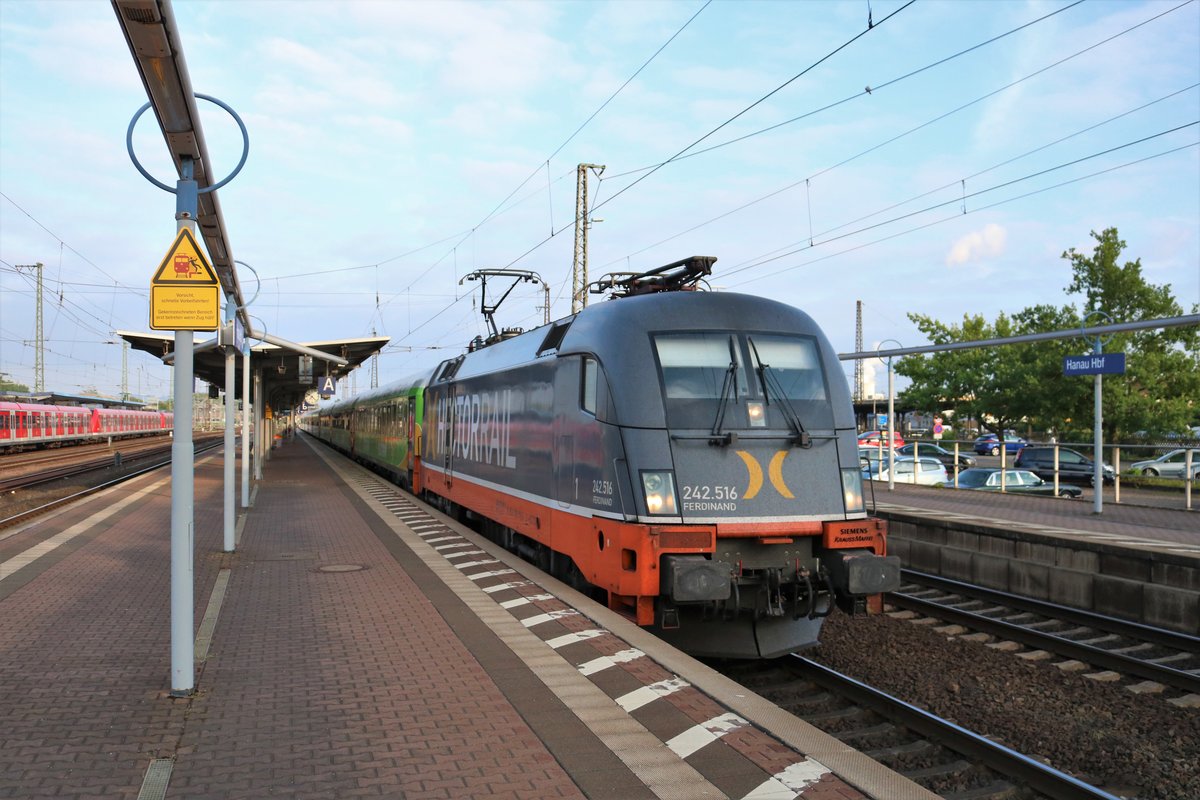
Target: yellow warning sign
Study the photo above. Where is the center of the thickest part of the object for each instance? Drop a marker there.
(184, 290)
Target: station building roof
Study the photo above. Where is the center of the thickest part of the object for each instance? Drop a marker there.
(63, 399)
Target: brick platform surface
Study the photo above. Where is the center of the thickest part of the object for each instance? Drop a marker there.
(344, 683)
(317, 685)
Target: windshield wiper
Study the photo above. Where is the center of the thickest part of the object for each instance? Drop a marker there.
(730, 383)
(765, 378)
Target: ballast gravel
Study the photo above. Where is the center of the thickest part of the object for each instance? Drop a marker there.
(1133, 745)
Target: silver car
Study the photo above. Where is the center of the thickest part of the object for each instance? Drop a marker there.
(1171, 465)
(929, 472)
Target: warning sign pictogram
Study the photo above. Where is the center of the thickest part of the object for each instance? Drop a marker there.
(184, 265)
(183, 292)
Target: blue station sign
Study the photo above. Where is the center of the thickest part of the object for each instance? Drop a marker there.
(1102, 364)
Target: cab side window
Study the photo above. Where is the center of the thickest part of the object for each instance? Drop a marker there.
(591, 392)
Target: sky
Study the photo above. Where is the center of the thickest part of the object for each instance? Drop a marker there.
(932, 158)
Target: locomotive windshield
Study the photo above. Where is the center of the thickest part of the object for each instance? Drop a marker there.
(695, 365)
(700, 371)
(795, 364)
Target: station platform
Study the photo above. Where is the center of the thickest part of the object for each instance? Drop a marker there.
(1168, 528)
(358, 644)
(1135, 562)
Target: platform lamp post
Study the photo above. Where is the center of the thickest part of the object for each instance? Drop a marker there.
(187, 202)
(244, 344)
(891, 426)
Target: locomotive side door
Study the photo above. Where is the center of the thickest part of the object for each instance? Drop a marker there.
(449, 444)
(566, 401)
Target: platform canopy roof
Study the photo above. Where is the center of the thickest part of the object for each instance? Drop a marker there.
(280, 363)
(153, 37)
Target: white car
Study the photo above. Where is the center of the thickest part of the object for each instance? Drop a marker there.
(1171, 465)
(929, 472)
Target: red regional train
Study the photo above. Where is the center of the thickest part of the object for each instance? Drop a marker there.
(30, 425)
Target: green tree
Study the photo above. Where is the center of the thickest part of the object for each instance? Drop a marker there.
(1049, 402)
(969, 382)
(1161, 386)
(1023, 386)
(7, 384)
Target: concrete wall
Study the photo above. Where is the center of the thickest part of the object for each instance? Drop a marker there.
(1151, 587)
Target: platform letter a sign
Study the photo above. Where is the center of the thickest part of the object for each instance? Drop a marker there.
(326, 387)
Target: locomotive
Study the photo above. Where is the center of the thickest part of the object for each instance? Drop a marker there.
(690, 456)
(31, 425)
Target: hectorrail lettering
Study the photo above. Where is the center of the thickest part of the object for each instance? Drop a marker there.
(476, 427)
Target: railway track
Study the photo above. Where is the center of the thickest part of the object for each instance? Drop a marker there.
(941, 756)
(49, 470)
(158, 457)
(1130, 649)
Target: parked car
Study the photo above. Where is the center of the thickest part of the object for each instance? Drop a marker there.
(1016, 481)
(1171, 465)
(940, 453)
(873, 459)
(1073, 466)
(869, 458)
(922, 471)
(989, 444)
(873, 438)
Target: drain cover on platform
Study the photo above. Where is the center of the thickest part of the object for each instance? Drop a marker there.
(341, 568)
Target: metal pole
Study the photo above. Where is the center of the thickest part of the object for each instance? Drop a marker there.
(1188, 479)
(891, 426)
(246, 448)
(1097, 434)
(258, 425)
(230, 448)
(183, 474)
(182, 499)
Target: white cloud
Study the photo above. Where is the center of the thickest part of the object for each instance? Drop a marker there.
(978, 245)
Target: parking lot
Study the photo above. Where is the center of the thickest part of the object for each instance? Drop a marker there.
(1163, 498)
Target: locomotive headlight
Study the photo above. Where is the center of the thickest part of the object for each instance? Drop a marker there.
(660, 492)
(758, 414)
(852, 489)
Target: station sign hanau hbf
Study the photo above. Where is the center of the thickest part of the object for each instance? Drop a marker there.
(184, 291)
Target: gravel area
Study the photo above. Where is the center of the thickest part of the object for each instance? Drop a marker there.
(1134, 746)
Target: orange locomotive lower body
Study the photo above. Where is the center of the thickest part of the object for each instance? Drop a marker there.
(662, 575)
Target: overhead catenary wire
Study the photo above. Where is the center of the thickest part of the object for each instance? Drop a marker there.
(857, 95)
(745, 110)
(958, 214)
(913, 198)
(890, 82)
(62, 243)
(976, 194)
(1015, 158)
(459, 238)
(893, 139)
(538, 169)
(757, 102)
(102, 331)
